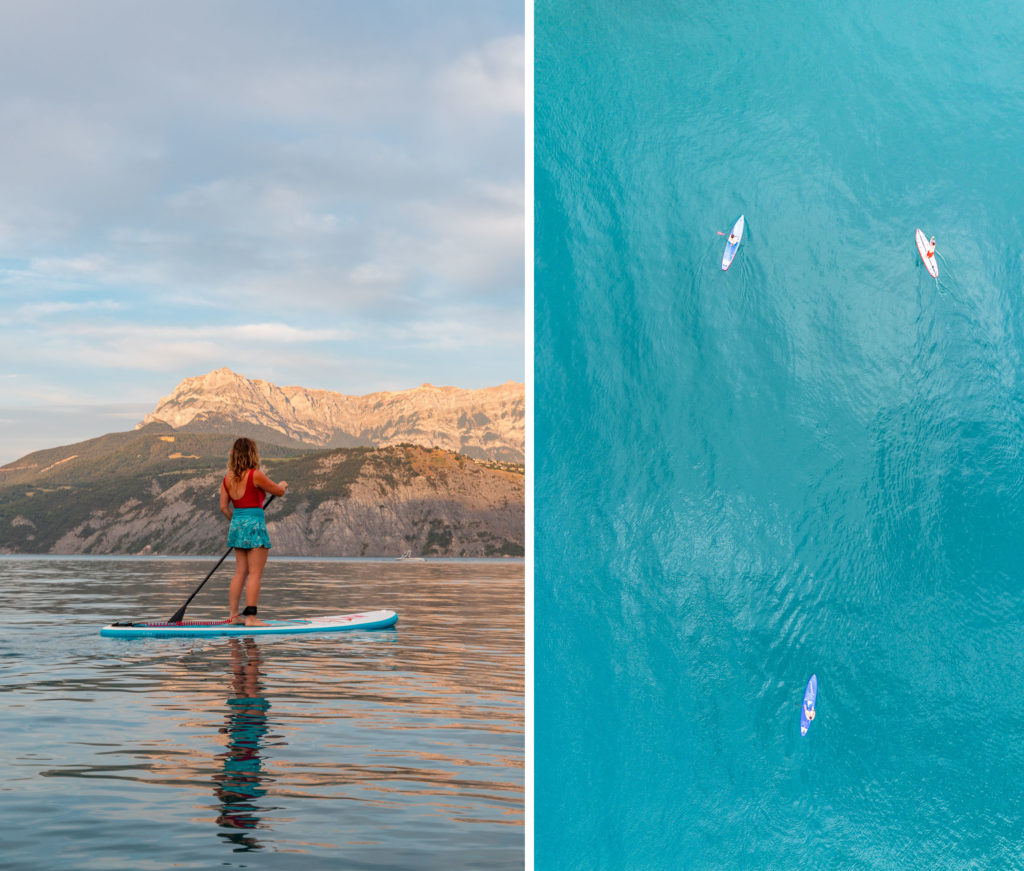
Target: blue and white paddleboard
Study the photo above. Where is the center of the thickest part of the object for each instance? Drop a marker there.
(200, 629)
(732, 247)
(810, 697)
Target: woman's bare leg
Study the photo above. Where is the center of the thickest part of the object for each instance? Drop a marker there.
(238, 582)
(257, 560)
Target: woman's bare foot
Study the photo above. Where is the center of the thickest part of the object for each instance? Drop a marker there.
(249, 613)
(235, 619)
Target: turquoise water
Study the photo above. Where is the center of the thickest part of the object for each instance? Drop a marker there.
(811, 463)
(395, 749)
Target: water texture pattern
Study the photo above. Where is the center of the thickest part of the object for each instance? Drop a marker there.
(811, 463)
(390, 749)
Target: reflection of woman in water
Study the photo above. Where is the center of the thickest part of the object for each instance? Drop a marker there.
(238, 785)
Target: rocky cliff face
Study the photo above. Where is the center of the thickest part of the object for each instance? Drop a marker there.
(430, 502)
(345, 502)
(485, 424)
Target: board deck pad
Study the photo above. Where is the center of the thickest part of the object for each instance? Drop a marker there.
(206, 629)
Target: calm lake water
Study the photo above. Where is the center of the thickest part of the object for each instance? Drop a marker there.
(399, 748)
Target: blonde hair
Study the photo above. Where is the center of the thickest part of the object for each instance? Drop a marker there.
(244, 456)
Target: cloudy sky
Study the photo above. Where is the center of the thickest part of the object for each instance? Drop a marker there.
(326, 194)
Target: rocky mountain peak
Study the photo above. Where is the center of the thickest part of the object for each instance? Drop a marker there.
(488, 423)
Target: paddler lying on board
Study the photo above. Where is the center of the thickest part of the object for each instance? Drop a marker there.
(244, 487)
(808, 711)
(931, 248)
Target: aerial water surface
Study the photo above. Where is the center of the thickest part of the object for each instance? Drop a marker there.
(810, 464)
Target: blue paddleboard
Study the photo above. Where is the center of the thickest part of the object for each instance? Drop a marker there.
(732, 247)
(810, 697)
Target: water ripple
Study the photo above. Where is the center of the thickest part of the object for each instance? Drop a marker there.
(418, 730)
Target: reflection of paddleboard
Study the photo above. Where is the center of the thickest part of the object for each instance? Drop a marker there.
(732, 247)
(922, 247)
(810, 697)
(199, 629)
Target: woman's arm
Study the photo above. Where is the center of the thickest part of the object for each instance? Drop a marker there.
(224, 500)
(264, 483)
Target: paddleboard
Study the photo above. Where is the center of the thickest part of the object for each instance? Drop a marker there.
(810, 697)
(931, 264)
(732, 247)
(200, 629)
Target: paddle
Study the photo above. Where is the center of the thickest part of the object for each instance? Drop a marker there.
(179, 615)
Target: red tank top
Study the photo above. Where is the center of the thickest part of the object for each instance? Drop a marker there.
(251, 498)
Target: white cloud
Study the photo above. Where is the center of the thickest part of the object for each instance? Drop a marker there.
(77, 267)
(35, 310)
(488, 79)
(283, 333)
(455, 334)
(268, 332)
(255, 208)
(329, 193)
(79, 346)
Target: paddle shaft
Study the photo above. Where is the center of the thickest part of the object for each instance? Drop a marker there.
(179, 615)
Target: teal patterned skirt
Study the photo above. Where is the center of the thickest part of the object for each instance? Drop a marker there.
(248, 529)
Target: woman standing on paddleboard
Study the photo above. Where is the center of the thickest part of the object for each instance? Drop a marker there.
(244, 487)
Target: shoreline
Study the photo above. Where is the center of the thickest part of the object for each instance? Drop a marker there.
(298, 559)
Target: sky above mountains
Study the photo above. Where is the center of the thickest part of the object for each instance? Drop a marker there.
(326, 194)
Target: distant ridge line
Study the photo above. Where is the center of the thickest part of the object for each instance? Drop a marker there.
(486, 423)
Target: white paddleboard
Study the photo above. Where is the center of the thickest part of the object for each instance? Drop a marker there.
(810, 699)
(201, 629)
(931, 264)
(732, 247)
